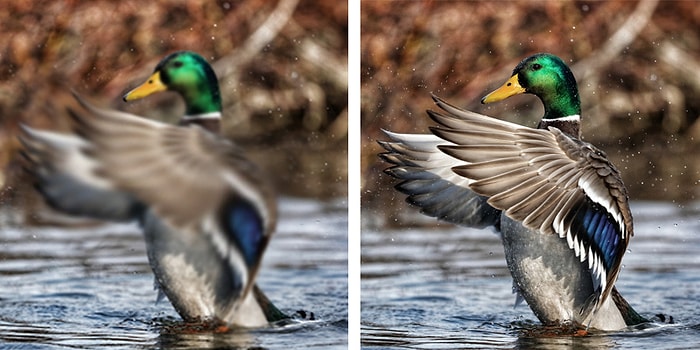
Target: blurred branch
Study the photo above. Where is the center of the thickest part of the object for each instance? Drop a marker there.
(274, 23)
(685, 65)
(335, 69)
(685, 69)
(622, 38)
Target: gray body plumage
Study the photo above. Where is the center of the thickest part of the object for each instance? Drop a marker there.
(553, 281)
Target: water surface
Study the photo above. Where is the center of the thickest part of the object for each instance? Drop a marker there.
(91, 287)
(449, 287)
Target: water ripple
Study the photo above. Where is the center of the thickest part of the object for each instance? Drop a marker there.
(91, 287)
(448, 287)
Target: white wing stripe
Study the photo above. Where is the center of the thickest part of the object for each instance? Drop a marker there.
(604, 200)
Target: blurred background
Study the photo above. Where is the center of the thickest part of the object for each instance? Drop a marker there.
(637, 65)
(282, 67)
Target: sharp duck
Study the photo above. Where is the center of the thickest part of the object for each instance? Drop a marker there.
(560, 206)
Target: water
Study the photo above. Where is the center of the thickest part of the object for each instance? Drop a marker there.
(91, 287)
(448, 287)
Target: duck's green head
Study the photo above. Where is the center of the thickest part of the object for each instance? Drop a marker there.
(188, 74)
(547, 77)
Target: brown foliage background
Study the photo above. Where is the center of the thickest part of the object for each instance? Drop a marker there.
(285, 95)
(637, 66)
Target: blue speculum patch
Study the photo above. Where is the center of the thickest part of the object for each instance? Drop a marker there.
(244, 224)
(601, 231)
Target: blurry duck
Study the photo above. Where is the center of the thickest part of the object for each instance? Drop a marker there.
(559, 204)
(206, 211)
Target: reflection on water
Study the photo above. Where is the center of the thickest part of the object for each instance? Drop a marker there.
(449, 287)
(91, 287)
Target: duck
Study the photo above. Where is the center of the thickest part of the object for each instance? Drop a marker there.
(558, 203)
(206, 211)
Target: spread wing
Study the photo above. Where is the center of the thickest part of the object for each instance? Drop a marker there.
(430, 183)
(182, 173)
(546, 179)
(65, 176)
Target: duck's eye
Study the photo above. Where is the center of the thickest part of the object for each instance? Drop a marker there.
(536, 66)
(177, 64)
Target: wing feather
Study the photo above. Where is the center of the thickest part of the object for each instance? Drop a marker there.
(428, 180)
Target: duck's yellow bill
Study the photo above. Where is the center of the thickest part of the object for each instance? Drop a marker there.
(152, 85)
(508, 89)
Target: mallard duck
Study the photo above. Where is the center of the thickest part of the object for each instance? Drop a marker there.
(206, 211)
(560, 206)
